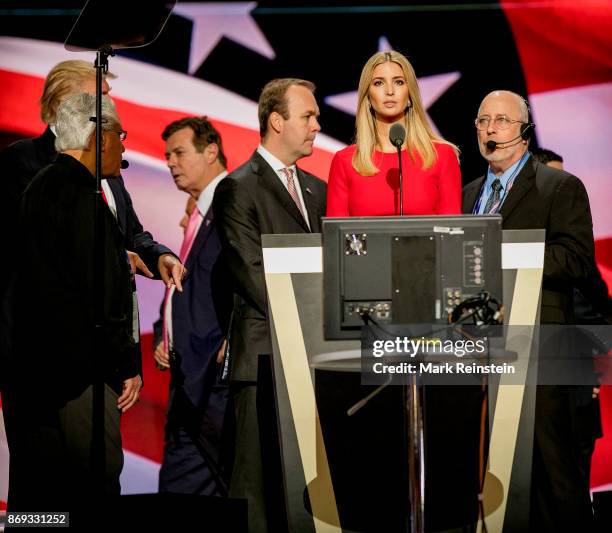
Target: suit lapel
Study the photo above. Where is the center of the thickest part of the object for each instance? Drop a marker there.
(310, 200)
(522, 184)
(472, 192)
(115, 188)
(203, 232)
(273, 184)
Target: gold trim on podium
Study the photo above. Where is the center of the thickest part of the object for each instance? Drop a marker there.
(504, 434)
(303, 404)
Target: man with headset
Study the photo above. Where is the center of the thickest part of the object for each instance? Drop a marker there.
(530, 195)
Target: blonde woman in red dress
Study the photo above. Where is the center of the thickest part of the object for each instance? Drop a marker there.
(364, 177)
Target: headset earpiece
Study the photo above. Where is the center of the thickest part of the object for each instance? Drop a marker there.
(526, 130)
(528, 127)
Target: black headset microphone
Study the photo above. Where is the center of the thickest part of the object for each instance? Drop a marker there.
(492, 145)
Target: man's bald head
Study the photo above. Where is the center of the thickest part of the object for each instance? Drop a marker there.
(502, 115)
(511, 98)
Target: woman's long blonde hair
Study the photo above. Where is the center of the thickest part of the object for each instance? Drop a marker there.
(419, 134)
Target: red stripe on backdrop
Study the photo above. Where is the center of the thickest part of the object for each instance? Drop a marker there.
(603, 254)
(144, 124)
(601, 466)
(565, 45)
(15, 89)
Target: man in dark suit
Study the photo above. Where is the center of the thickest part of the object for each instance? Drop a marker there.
(188, 338)
(64, 345)
(20, 162)
(267, 194)
(592, 306)
(530, 195)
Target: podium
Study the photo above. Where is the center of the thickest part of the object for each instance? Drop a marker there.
(312, 484)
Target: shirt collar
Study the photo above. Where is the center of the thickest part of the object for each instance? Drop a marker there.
(507, 174)
(276, 164)
(206, 196)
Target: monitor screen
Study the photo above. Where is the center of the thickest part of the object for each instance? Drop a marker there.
(406, 270)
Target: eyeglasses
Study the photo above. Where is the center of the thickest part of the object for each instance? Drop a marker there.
(500, 122)
(122, 134)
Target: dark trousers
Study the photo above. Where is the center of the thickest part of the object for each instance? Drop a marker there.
(257, 475)
(560, 499)
(247, 479)
(51, 466)
(194, 458)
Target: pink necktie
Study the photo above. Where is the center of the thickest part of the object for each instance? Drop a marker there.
(288, 172)
(190, 234)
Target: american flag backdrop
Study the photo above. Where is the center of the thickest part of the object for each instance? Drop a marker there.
(213, 58)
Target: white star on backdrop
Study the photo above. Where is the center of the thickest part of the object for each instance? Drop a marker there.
(432, 87)
(212, 21)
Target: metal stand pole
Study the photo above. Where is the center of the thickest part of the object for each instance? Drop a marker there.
(416, 455)
(98, 448)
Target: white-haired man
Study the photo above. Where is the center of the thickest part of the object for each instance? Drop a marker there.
(21, 161)
(58, 353)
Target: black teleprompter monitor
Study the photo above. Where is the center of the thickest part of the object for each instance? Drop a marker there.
(406, 270)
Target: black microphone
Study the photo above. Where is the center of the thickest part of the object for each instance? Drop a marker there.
(397, 135)
(124, 164)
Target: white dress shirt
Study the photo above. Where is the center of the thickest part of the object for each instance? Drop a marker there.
(277, 165)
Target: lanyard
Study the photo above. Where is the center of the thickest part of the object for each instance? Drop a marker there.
(497, 205)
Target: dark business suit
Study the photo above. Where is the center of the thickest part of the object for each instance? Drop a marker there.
(250, 202)
(19, 163)
(57, 352)
(196, 410)
(546, 198)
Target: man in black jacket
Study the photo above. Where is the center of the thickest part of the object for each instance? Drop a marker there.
(20, 162)
(592, 306)
(267, 194)
(61, 347)
(530, 195)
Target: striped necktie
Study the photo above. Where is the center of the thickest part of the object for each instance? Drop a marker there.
(493, 199)
(288, 172)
